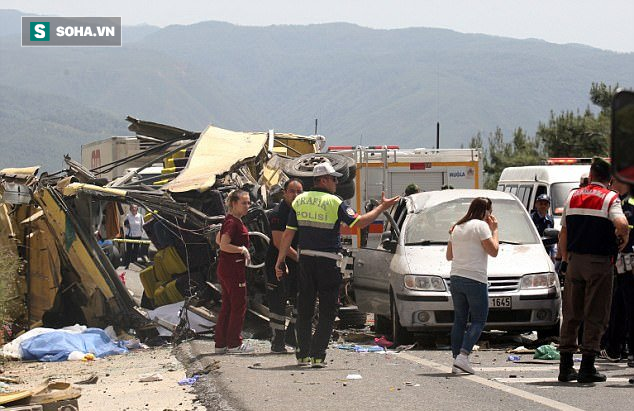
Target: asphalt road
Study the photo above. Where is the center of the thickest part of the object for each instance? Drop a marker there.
(413, 379)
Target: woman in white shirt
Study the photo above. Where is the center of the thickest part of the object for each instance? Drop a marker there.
(133, 224)
(471, 240)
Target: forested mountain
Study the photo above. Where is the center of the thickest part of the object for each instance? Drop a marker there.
(365, 86)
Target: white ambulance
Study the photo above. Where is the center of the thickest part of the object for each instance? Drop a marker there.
(391, 169)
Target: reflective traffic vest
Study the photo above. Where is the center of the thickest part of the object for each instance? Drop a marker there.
(317, 209)
(589, 228)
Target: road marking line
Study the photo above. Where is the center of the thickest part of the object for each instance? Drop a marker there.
(548, 368)
(545, 367)
(522, 380)
(493, 384)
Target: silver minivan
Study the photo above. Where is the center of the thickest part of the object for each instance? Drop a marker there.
(405, 281)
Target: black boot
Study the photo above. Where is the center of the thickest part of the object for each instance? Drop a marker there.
(277, 343)
(567, 371)
(587, 372)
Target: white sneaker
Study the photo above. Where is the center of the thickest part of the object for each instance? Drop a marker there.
(220, 350)
(462, 362)
(242, 349)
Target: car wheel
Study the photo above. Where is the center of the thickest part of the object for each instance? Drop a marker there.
(345, 190)
(400, 335)
(351, 319)
(381, 325)
(549, 332)
(352, 168)
(302, 167)
(427, 341)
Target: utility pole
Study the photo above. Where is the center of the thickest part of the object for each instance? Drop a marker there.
(437, 135)
(315, 126)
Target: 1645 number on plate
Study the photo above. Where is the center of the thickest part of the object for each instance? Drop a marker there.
(503, 303)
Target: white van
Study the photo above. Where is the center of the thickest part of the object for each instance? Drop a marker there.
(528, 182)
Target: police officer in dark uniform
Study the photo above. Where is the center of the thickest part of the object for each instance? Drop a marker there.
(317, 215)
(593, 229)
(542, 219)
(540, 216)
(279, 291)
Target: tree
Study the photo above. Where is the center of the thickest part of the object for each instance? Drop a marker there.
(522, 151)
(570, 134)
(574, 135)
(601, 95)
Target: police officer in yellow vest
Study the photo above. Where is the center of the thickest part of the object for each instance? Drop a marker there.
(317, 215)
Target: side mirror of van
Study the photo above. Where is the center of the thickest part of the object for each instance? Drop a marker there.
(623, 136)
(550, 237)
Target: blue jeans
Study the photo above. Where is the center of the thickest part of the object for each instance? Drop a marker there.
(470, 297)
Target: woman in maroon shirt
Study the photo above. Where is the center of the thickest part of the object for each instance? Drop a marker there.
(233, 240)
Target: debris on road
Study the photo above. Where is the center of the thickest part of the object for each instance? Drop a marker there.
(211, 366)
(90, 380)
(520, 350)
(404, 347)
(383, 342)
(546, 352)
(46, 344)
(150, 377)
(80, 356)
(360, 348)
(189, 381)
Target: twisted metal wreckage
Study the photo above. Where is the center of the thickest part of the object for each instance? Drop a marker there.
(53, 221)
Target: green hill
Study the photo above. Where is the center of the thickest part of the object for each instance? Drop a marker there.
(364, 85)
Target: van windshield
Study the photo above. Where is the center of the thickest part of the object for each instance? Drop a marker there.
(558, 194)
(433, 224)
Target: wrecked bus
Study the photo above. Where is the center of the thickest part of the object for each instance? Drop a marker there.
(72, 279)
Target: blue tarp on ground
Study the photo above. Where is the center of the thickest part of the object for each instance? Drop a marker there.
(57, 345)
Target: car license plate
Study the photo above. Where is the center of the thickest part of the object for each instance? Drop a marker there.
(503, 303)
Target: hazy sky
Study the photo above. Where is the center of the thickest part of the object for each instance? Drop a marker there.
(605, 24)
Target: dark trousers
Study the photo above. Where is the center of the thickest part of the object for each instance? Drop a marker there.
(318, 277)
(587, 297)
(131, 251)
(621, 328)
(278, 293)
(234, 304)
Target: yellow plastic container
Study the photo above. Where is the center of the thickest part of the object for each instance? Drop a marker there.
(149, 281)
(167, 294)
(173, 295)
(167, 262)
(159, 296)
